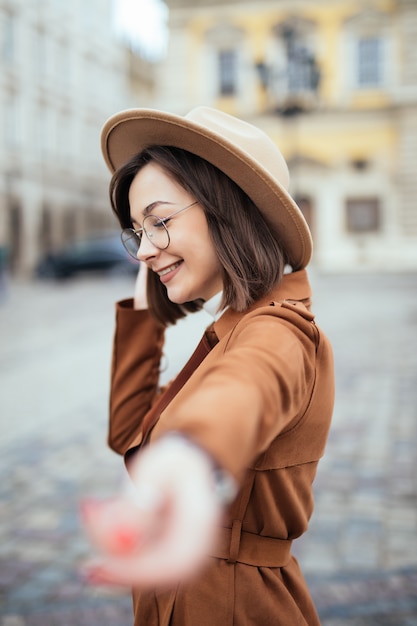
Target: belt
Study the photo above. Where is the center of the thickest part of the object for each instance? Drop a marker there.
(237, 545)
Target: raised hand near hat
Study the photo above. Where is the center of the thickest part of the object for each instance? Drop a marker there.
(140, 299)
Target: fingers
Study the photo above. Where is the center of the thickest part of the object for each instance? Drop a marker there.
(114, 526)
(163, 558)
(140, 299)
(144, 549)
(161, 530)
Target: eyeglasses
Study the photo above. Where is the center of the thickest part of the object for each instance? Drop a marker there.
(155, 228)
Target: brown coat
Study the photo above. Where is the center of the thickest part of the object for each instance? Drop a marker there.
(261, 404)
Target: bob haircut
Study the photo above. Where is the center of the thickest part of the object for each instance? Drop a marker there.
(250, 255)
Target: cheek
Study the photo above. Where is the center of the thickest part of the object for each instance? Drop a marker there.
(197, 247)
(206, 251)
(212, 266)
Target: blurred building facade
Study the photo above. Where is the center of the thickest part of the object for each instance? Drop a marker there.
(62, 73)
(334, 82)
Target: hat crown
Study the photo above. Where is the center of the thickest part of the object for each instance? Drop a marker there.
(248, 139)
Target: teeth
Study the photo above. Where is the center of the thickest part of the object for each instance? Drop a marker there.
(168, 269)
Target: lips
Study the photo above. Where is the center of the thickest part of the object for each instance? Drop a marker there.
(169, 269)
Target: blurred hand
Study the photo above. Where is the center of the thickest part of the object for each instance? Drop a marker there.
(161, 530)
(140, 299)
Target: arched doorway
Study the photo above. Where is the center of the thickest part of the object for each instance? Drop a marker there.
(15, 225)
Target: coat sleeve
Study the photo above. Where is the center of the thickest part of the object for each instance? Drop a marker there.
(250, 393)
(137, 350)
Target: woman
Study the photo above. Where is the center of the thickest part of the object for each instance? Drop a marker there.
(222, 460)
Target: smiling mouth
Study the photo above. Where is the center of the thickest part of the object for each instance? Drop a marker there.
(171, 268)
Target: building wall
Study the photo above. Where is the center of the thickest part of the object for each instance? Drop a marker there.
(62, 73)
(335, 84)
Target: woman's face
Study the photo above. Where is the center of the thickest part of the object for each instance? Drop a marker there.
(188, 267)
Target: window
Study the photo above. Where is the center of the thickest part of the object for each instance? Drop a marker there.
(227, 72)
(369, 55)
(368, 47)
(41, 56)
(9, 35)
(302, 69)
(45, 130)
(11, 122)
(64, 137)
(63, 63)
(292, 69)
(363, 215)
(223, 59)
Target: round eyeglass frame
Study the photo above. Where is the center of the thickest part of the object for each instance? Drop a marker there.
(132, 238)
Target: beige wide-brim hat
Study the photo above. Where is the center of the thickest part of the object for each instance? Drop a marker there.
(242, 151)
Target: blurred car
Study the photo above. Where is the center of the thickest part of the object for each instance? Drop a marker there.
(105, 254)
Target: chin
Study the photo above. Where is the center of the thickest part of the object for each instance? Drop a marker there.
(184, 299)
(178, 299)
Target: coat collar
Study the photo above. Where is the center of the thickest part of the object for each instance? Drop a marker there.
(293, 286)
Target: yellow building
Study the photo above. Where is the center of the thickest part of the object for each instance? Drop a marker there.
(334, 82)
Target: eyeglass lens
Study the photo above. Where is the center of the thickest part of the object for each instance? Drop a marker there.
(155, 231)
(131, 242)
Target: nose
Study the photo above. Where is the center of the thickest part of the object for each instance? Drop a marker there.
(147, 250)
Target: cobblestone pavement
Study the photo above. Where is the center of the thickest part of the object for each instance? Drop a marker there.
(360, 554)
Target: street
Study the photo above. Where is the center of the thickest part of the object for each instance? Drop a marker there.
(360, 554)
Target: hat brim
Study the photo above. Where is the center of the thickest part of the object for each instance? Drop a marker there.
(129, 132)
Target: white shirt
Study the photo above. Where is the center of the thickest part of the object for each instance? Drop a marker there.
(212, 306)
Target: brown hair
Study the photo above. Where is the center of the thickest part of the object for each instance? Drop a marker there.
(249, 253)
